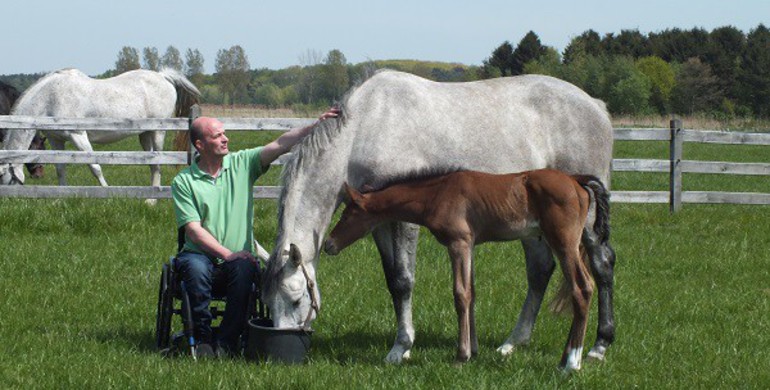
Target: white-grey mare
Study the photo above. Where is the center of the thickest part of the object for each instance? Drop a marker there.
(69, 93)
(395, 123)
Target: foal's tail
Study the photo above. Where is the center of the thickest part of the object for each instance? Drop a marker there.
(601, 229)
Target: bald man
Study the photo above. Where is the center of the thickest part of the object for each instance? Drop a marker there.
(213, 203)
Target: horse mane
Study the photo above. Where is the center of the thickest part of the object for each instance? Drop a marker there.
(320, 137)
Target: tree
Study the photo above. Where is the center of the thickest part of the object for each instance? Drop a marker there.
(151, 58)
(335, 79)
(128, 59)
(193, 67)
(676, 45)
(528, 49)
(696, 89)
(310, 79)
(723, 56)
(586, 44)
(172, 59)
(662, 78)
(232, 68)
(499, 63)
(754, 72)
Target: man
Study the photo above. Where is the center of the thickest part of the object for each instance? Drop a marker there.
(213, 204)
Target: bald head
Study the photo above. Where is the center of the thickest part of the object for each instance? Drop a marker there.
(201, 126)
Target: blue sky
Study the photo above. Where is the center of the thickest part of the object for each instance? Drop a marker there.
(45, 35)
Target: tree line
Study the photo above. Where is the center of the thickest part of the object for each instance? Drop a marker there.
(723, 73)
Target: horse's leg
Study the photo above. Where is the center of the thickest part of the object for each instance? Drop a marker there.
(602, 258)
(153, 141)
(80, 140)
(462, 275)
(540, 266)
(61, 169)
(397, 243)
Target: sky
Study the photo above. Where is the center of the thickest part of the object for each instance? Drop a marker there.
(46, 35)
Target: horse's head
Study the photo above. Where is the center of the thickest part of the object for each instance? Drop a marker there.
(289, 288)
(355, 223)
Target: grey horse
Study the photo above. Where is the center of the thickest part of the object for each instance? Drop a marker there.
(69, 93)
(395, 123)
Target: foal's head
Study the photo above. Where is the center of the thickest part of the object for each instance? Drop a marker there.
(356, 221)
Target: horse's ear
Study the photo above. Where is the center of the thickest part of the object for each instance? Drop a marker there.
(294, 255)
(351, 195)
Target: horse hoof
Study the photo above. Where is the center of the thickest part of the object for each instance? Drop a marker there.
(596, 354)
(396, 357)
(506, 349)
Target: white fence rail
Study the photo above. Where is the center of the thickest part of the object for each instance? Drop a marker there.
(675, 165)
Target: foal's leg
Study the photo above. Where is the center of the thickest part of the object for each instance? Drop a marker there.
(397, 243)
(460, 253)
(80, 140)
(61, 169)
(540, 266)
(581, 289)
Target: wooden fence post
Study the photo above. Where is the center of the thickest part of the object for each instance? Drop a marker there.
(195, 112)
(675, 157)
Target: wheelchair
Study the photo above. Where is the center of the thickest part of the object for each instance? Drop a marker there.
(173, 300)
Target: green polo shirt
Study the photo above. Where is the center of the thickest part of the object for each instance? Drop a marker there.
(224, 205)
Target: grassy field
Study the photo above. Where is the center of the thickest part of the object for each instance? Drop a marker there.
(79, 287)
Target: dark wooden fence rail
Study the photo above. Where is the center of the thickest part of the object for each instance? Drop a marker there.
(675, 166)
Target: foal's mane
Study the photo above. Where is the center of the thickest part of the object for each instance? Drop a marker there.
(410, 177)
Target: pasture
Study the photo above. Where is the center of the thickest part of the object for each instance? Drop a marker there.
(79, 288)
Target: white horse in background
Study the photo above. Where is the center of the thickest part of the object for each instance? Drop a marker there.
(69, 93)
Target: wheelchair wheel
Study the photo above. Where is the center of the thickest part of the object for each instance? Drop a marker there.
(165, 309)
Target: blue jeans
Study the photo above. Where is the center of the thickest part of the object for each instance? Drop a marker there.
(203, 280)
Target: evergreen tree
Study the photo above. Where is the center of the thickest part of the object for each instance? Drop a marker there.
(528, 49)
(586, 44)
(754, 72)
(499, 63)
(128, 59)
(723, 54)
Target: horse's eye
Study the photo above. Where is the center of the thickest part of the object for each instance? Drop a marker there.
(296, 303)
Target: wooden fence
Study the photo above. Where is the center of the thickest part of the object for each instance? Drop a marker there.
(675, 165)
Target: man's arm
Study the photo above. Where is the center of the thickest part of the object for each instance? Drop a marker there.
(201, 237)
(287, 140)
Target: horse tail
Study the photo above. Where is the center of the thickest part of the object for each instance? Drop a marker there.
(187, 95)
(599, 194)
(602, 199)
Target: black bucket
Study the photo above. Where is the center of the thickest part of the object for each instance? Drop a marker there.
(285, 345)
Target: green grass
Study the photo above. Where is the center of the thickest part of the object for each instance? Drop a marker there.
(79, 288)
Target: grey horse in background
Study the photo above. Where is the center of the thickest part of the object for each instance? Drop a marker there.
(8, 96)
(69, 93)
(396, 123)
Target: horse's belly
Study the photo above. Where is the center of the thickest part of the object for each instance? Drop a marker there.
(108, 137)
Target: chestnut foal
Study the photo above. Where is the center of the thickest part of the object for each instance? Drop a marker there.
(466, 208)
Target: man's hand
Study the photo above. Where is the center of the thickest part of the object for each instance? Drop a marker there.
(241, 255)
(333, 112)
